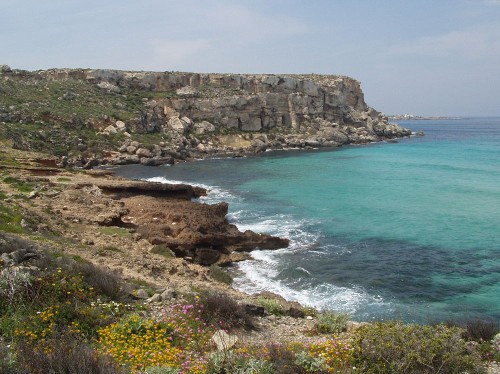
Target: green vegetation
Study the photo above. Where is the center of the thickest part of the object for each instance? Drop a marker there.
(331, 322)
(220, 275)
(163, 250)
(71, 313)
(271, 306)
(114, 230)
(10, 219)
(21, 186)
(395, 347)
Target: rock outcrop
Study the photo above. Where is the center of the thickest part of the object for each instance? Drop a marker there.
(200, 115)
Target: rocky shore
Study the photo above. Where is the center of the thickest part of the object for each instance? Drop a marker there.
(95, 117)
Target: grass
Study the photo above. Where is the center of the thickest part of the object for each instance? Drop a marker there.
(163, 250)
(271, 306)
(21, 186)
(218, 274)
(114, 230)
(331, 322)
(10, 220)
(106, 250)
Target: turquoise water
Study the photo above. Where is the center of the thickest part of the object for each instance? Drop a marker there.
(408, 230)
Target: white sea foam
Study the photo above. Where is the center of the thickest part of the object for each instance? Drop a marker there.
(215, 194)
(263, 272)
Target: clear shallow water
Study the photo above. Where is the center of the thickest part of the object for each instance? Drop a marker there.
(408, 230)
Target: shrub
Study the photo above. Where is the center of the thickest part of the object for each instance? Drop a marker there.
(218, 274)
(104, 281)
(163, 250)
(140, 343)
(162, 370)
(283, 360)
(219, 307)
(67, 354)
(480, 330)
(394, 347)
(271, 306)
(236, 363)
(331, 323)
(6, 360)
(336, 354)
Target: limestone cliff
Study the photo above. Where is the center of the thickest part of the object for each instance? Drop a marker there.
(203, 114)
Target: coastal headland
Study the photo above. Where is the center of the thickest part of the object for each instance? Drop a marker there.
(89, 117)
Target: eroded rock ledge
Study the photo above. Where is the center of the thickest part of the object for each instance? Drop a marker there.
(161, 214)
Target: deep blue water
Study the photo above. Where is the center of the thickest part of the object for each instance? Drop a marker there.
(408, 230)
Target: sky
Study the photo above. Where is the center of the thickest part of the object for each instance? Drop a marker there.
(424, 57)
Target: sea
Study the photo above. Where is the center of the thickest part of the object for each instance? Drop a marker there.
(407, 230)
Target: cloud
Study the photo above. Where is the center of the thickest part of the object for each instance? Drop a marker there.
(475, 43)
(174, 52)
(249, 25)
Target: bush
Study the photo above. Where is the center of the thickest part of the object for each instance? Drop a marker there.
(163, 250)
(67, 354)
(331, 323)
(271, 306)
(6, 360)
(480, 330)
(104, 281)
(219, 307)
(140, 343)
(232, 362)
(220, 275)
(394, 347)
(284, 360)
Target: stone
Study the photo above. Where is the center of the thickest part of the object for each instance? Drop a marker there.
(154, 299)
(143, 152)
(176, 124)
(120, 126)
(186, 91)
(109, 130)
(223, 341)
(131, 149)
(203, 127)
(109, 87)
(69, 95)
(168, 295)
(141, 293)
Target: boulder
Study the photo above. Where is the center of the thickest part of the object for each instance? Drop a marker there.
(176, 124)
(143, 152)
(203, 127)
(223, 341)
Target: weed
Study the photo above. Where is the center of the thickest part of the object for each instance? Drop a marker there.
(163, 250)
(113, 230)
(218, 274)
(222, 310)
(140, 343)
(271, 306)
(66, 353)
(331, 322)
(10, 220)
(480, 330)
(394, 347)
(20, 185)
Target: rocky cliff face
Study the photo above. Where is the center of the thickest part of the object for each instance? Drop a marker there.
(203, 114)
